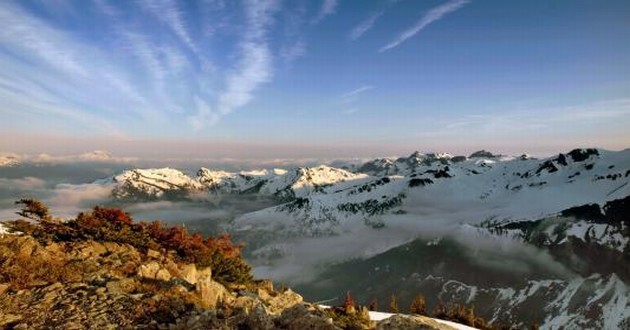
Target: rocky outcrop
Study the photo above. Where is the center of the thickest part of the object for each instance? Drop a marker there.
(411, 322)
(107, 285)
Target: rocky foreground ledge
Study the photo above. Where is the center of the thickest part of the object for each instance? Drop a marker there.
(106, 285)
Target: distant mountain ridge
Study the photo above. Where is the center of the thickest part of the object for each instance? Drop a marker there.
(324, 196)
(563, 205)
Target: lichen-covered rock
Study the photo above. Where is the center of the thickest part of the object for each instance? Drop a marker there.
(257, 319)
(210, 292)
(301, 317)
(284, 300)
(407, 322)
(124, 285)
(153, 270)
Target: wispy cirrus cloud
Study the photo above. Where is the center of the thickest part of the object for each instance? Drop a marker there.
(351, 98)
(150, 71)
(364, 26)
(255, 64)
(546, 117)
(167, 12)
(353, 93)
(431, 16)
(328, 7)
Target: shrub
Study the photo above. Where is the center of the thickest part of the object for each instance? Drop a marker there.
(373, 305)
(393, 304)
(418, 305)
(349, 304)
(33, 209)
(461, 314)
(114, 225)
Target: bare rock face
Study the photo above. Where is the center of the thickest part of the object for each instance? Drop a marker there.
(406, 322)
(301, 317)
(284, 300)
(189, 273)
(88, 250)
(125, 285)
(94, 285)
(210, 292)
(153, 270)
(258, 319)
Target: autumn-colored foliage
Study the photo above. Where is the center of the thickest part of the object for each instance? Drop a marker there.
(349, 304)
(393, 304)
(461, 314)
(418, 305)
(350, 316)
(114, 225)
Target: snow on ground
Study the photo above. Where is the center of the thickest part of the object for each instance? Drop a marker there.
(3, 229)
(602, 233)
(455, 325)
(379, 316)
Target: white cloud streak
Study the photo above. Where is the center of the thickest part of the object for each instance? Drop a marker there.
(357, 91)
(364, 26)
(431, 16)
(167, 12)
(329, 7)
(255, 65)
(53, 83)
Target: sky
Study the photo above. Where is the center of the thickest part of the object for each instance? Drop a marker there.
(313, 78)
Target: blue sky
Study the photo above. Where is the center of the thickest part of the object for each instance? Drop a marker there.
(317, 78)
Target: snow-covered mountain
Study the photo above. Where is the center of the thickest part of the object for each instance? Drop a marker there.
(563, 215)
(499, 186)
(284, 184)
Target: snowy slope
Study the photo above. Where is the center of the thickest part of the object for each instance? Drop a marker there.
(499, 187)
(380, 316)
(145, 183)
(432, 197)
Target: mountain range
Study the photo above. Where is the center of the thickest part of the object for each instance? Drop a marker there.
(524, 240)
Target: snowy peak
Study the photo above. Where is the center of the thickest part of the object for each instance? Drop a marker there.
(316, 179)
(407, 165)
(299, 182)
(153, 183)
